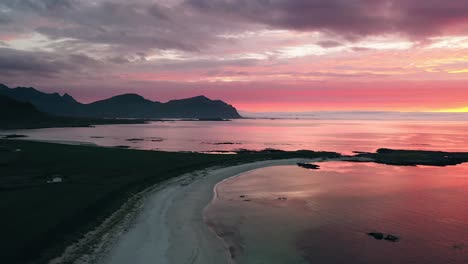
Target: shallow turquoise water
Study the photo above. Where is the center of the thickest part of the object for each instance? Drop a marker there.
(326, 214)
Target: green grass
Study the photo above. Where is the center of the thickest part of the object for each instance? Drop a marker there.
(39, 220)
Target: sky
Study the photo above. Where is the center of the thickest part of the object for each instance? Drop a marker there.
(258, 55)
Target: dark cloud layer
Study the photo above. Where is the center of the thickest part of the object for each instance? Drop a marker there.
(193, 25)
(38, 5)
(329, 43)
(107, 39)
(128, 25)
(348, 18)
(15, 62)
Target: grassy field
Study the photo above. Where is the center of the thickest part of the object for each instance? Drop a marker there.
(39, 219)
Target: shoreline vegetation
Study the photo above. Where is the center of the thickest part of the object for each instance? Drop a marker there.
(52, 194)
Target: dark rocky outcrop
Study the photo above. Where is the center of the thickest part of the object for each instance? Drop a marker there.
(383, 236)
(308, 166)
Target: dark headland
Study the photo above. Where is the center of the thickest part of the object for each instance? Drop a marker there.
(122, 106)
(23, 115)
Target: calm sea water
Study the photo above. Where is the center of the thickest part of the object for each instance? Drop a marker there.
(331, 135)
(287, 214)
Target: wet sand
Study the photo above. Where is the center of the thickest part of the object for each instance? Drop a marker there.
(170, 227)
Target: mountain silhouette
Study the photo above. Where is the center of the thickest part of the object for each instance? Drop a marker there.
(22, 115)
(18, 115)
(11, 110)
(121, 106)
(49, 103)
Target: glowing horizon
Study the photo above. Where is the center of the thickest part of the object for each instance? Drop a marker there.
(454, 110)
(317, 55)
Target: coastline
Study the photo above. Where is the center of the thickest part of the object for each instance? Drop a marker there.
(169, 225)
(100, 187)
(106, 192)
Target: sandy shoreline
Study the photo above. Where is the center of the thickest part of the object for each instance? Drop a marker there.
(169, 227)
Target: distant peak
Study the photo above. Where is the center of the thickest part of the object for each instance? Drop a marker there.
(200, 98)
(128, 98)
(68, 97)
(2, 86)
(195, 99)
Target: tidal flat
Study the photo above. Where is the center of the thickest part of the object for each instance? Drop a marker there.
(344, 213)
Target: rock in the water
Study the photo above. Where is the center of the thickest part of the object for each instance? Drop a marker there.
(308, 166)
(380, 236)
(122, 147)
(135, 139)
(391, 238)
(376, 235)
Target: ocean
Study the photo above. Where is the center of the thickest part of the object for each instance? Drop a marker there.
(340, 135)
(287, 214)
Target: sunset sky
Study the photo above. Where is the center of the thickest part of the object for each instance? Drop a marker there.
(259, 55)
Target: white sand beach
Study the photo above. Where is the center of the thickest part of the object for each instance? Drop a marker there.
(170, 227)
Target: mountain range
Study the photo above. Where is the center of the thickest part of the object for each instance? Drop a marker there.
(10, 110)
(121, 106)
(21, 115)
